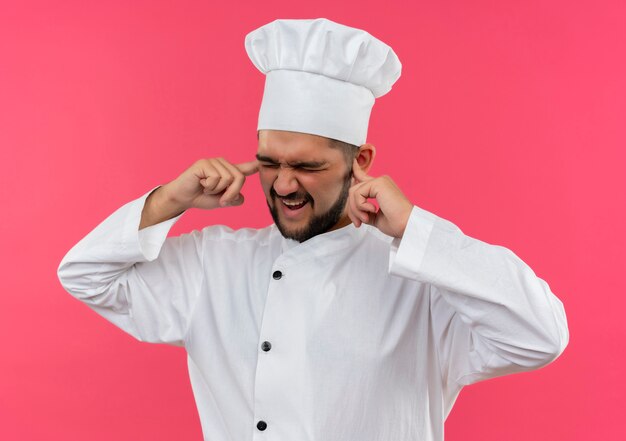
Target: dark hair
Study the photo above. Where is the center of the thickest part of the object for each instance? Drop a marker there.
(349, 150)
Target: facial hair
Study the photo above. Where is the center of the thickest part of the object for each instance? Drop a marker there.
(320, 223)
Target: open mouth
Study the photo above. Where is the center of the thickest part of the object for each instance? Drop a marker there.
(294, 205)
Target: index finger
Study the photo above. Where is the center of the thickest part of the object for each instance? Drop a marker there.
(248, 168)
(358, 172)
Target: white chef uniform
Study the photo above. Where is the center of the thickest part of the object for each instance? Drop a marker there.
(349, 336)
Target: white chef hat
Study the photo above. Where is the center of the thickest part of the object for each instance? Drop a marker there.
(321, 77)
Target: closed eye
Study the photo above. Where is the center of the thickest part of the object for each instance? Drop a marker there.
(297, 167)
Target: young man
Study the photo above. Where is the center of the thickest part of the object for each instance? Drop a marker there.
(342, 320)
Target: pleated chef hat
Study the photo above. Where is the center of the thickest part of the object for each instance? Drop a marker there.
(321, 78)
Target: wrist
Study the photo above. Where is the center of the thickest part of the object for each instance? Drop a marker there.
(406, 216)
(159, 207)
(167, 203)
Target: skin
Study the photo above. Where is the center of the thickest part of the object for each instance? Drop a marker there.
(302, 167)
(292, 166)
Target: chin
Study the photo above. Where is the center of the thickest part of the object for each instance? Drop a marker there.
(298, 234)
(313, 224)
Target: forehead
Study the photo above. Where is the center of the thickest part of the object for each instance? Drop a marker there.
(285, 146)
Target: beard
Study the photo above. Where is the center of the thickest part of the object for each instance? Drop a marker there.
(320, 223)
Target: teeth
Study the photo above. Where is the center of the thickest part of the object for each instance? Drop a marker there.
(292, 204)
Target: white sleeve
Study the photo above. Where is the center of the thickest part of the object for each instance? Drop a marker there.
(491, 314)
(139, 280)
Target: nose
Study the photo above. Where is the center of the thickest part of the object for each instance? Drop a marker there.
(286, 182)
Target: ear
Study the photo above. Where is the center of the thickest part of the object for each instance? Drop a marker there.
(365, 156)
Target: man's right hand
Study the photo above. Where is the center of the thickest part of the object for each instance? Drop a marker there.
(210, 183)
(207, 184)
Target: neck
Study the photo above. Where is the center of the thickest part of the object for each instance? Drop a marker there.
(344, 221)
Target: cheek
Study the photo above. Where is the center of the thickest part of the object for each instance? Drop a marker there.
(267, 178)
(323, 191)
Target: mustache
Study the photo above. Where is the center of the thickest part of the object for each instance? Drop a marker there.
(291, 196)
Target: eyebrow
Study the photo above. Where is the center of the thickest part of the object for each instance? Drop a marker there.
(307, 164)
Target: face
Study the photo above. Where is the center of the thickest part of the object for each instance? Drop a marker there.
(305, 182)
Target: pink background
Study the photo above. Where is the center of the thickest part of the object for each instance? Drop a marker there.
(509, 120)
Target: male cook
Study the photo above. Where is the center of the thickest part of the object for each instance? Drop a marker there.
(345, 320)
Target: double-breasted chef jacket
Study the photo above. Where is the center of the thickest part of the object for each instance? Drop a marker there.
(351, 335)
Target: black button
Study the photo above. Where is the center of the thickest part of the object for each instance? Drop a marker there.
(261, 425)
(277, 275)
(266, 346)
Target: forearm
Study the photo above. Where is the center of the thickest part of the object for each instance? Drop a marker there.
(112, 247)
(117, 268)
(507, 308)
(159, 207)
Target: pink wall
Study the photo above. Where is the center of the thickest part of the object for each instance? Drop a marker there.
(509, 120)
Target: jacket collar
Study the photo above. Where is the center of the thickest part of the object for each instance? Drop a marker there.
(321, 245)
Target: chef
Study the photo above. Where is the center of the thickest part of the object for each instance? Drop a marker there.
(355, 316)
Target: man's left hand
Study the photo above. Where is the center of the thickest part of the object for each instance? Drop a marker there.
(393, 210)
